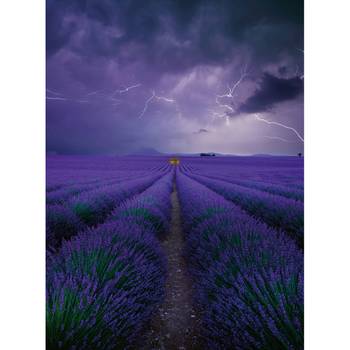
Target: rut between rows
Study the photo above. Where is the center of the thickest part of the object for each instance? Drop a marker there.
(176, 323)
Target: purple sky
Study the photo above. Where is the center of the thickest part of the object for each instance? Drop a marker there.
(126, 75)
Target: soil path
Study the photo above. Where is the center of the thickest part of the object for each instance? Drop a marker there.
(176, 323)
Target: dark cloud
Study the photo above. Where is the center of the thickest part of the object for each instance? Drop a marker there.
(58, 32)
(283, 70)
(175, 34)
(272, 90)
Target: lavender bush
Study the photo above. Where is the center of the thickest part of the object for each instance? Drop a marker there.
(66, 192)
(279, 190)
(90, 208)
(151, 207)
(248, 277)
(104, 284)
(61, 223)
(276, 211)
(279, 171)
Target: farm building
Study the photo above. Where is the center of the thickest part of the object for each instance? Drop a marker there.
(207, 154)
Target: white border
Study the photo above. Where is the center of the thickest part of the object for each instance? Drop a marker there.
(22, 144)
(327, 185)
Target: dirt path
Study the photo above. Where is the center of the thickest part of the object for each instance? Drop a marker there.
(176, 323)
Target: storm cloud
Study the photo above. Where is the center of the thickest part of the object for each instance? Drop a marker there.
(176, 34)
(131, 74)
(271, 91)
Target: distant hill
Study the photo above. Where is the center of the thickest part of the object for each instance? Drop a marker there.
(262, 155)
(147, 152)
(153, 152)
(198, 154)
(272, 155)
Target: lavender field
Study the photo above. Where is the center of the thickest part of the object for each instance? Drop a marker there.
(145, 254)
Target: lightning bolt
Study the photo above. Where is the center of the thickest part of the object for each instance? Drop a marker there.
(59, 98)
(147, 102)
(281, 125)
(166, 99)
(231, 94)
(231, 90)
(170, 100)
(277, 138)
(56, 98)
(54, 92)
(122, 91)
(154, 96)
(87, 98)
(113, 100)
(216, 115)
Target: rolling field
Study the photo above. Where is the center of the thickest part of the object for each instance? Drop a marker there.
(206, 254)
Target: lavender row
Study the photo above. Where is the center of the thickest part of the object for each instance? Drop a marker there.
(67, 179)
(151, 206)
(89, 208)
(285, 171)
(279, 190)
(248, 277)
(69, 170)
(66, 192)
(58, 178)
(276, 211)
(105, 283)
(268, 177)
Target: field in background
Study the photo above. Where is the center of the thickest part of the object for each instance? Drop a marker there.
(242, 221)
